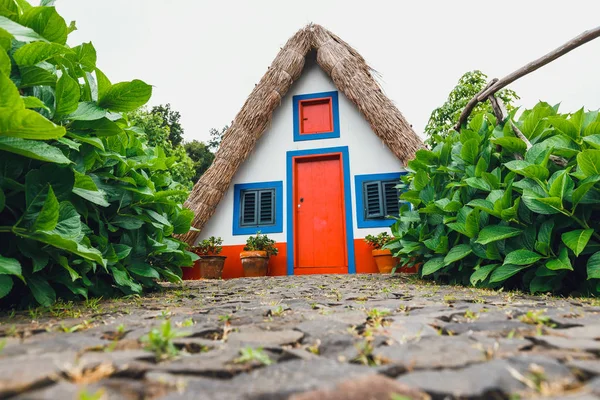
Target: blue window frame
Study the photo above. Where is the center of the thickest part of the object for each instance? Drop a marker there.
(376, 198)
(335, 116)
(258, 207)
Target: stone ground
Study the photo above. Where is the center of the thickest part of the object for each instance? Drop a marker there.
(307, 337)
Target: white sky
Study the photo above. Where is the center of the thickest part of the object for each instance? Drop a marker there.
(204, 57)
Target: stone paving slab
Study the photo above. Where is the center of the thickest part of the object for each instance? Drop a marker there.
(307, 337)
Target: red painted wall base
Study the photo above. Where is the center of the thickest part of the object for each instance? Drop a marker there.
(365, 264)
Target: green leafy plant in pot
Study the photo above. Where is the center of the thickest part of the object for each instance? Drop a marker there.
(383, 257)
(210, 265)
(256, 255)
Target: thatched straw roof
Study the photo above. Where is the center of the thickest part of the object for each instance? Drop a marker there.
(350, 74)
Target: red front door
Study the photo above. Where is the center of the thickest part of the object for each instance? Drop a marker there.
(319, 223)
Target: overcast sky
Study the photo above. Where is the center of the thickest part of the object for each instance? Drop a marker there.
(204, 57)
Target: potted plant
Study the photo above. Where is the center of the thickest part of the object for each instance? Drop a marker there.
(383, 257)
(256, 255)
(210, 265)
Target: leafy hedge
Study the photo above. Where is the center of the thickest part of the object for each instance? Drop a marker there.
(490, 212)
(86, 207)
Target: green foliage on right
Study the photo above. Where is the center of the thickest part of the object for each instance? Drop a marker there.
(488, 212)
(443, 119)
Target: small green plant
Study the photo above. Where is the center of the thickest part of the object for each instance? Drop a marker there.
(97, 395)
(277, 312)
(365, 354)
(537, 317)
(160, 341)
(377, 242)
(471, 315)
(3, 344)
(261, 243)
(209, 247)
(186, 323)
(375, 317)
(249, 354)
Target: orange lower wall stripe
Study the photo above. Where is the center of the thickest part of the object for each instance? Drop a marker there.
(365, 264)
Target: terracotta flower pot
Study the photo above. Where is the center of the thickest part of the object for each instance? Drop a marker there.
(384, 260)
(211, 267)
(255, 263)
(207, 267)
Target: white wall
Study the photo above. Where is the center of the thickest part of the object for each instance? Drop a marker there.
(368, 155)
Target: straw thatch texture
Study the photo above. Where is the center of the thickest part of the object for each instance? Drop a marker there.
(350, 74)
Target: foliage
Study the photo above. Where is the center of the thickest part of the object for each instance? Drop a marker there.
(170, 121)
(209, 247)
(489, 212)
(158, 134)
(377, 242)
(201, 157)
(216, 136)
(443, 119)
(160, 341)
(248, 354)
(261, 243)
(86, 206)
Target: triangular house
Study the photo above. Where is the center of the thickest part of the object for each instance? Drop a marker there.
(311, 159)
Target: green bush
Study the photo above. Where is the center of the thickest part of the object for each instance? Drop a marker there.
(490, 212)
(86, 206)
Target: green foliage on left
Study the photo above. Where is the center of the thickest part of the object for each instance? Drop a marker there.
(87, 207)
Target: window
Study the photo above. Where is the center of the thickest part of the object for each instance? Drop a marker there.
(316, 116)
(258, 207)
(376, 199)
(381, 199)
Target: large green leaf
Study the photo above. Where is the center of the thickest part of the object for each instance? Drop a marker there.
(5, 64)
(33, 149)
(561, 185)
(67, 95)
(543, 205)
(10, 266)
(20, 32)
(588, 162)
(84, 54)
(87, 111)
(528, 169)
(125, 96)
(481, 273)
(457, 253)
(9, 94)
(86, 188)
(577, 240)
(36, 52)
(28, 124)
(505, 271)
(493, 233)
(46, 22)
(564, 126)
(593, 266)
(470, 151)
(47, 218)
(512, 144)
(36, 76)
(6, 285)
(100, 127)
(561, 262)
(41, 290)
(522, 257)
(433, 265)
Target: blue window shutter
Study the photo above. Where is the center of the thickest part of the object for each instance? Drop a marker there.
(249, 208)
(374, 207)
(267, 207)
(391, 198)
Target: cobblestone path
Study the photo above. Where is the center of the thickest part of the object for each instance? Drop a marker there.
(307, 337)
